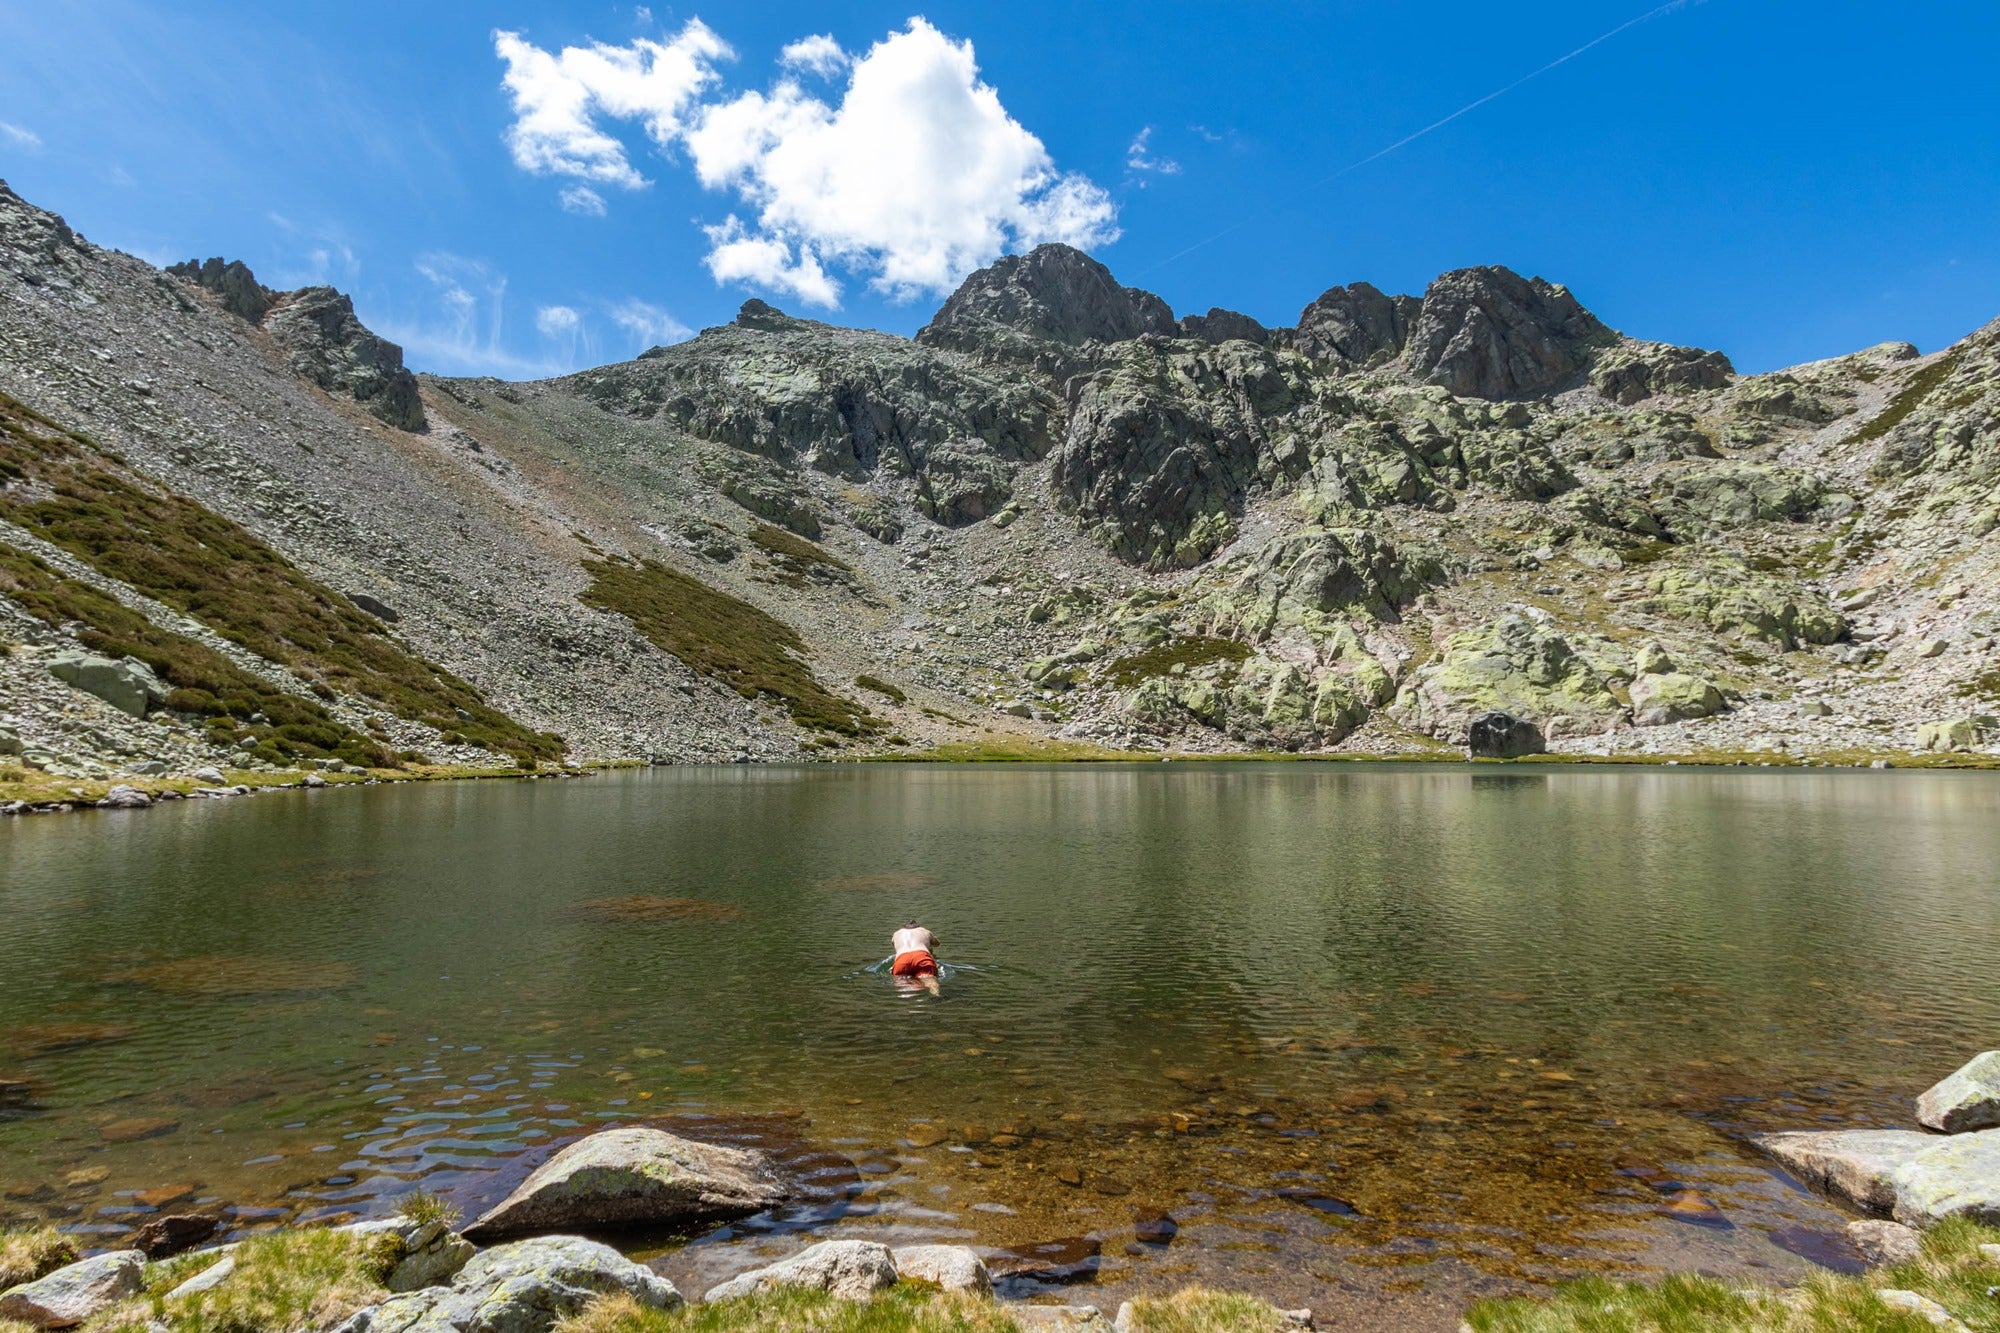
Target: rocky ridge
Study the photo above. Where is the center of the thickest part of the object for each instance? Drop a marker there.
(1061, 514)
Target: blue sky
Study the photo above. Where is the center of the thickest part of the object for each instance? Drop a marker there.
(1782, 179)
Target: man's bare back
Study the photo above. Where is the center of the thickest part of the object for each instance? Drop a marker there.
(912, 939)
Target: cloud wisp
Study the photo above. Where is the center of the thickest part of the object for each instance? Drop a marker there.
(20, 136)
(912, 177)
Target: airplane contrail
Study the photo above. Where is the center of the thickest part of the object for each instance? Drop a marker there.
(1469, 107)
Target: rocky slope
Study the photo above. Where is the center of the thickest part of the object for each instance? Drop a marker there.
(1059, 511)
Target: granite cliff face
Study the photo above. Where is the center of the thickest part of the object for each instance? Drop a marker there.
(1058, 512)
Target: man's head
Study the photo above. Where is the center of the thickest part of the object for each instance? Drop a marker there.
(911, 923)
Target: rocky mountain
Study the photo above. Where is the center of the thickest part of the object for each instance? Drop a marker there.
(1059, 512)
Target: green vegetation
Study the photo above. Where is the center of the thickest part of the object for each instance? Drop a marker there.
(27, 1253)
(723, 637)
(797, 559)
(877, 685)
(420, 1205)
(907, 1308)
(212, 569)
(1952, 1271)
(1908, 399)
(1161, 659)
(311, 1278)
(205, 683)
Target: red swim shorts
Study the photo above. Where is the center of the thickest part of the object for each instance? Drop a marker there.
(916, 963)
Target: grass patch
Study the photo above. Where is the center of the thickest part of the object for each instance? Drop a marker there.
(876, 685)
(312, 1278)
(901, 1309)
(1161, 659)
(1953, 1271)
(1907, 400)
(1199, 1310)
(799, 561)
(422, 1206)
(723, 637)
(165, 545)
(204, 682)
(27, 1253)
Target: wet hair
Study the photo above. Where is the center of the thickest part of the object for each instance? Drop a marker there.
(911, 922)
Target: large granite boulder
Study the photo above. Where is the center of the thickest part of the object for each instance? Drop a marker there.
(849, 1269)
(1955, 1177)
(1673, 696)
(1490, 333)
(324, 341)
(1968, 1099)
(127, 684)
(949, 1267)
(1498, 735)
(1855, 1165)
(1917, 1178)
(1054, 293)
(71, 1295)
(1635, 371)
(526, 1287)
(633, 1177)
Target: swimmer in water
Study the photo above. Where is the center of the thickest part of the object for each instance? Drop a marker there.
(916, 956)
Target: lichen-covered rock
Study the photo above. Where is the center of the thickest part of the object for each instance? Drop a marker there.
(1221, 326)
(1635, 371)
(949, 1267)
(850, 1269)
(1308, 580)
(1510, 665)
(326, 343)
(1967, 1099)
(632, 1177)
(526, 1287)
(128, 685)
(1490, 333)
(1882, 1243)
(73, 1294)
(1959, 734)
(1673, 696)
(1733, 598)
(1859, 1166)
(1734, 493)
(418, 1254)
(1957, 1176)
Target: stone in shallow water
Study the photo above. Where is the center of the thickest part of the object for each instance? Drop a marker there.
(135, 1128)
(71, 1295)
(632, 1177)
(1062, 1260)
(642, 909)
(525, 1287)
(164, 1237)
(1969, 1099)
(850, 1269)
(224, 977)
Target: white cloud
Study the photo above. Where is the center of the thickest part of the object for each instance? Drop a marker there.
(582, 200)
(117, 175)
(1139, 156)
(819, 55)
(916, 178)
(556, 320)
(648, 324)
(558, 99)
(20, 137)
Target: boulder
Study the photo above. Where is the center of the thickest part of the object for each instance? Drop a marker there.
(1356, 324)
(1673, 696)
(123, 797)
(951, 1267)
(1499, 735)
(324, 342)
(429, 1253)
(850, 1269)
(633, 1177)
(128, 685)
(1962, 733)
(1883, 1243)
(525, 1287)
(1518, 665)
(1923, 1307)
(1221, 326)
(1858, 1166)
(1968, 1099)
(1955, 1177)
(71, 1295)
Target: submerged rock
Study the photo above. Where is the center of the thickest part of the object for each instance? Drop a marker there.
(164, 1237)
(634, 1177)
(1856, 1165)
(525, 1287)
(71, 1295)
(850, 1269)
(1969, 1099)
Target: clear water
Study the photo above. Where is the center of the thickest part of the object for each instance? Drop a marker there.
(1377, 1038)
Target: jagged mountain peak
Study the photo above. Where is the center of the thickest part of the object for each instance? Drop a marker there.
(1054, 292)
